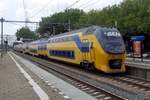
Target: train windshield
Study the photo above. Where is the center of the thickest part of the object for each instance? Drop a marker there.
(111, 40)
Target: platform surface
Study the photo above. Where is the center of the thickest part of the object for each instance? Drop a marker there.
(137, 63)
(13, 85)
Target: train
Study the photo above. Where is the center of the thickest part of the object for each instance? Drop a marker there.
(94, 47)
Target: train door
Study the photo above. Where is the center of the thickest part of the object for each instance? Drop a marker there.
(88, 53)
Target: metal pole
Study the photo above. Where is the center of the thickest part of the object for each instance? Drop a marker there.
(6, 43)
(2, 20)
(142, 51)
(69, 26)
(53, 30)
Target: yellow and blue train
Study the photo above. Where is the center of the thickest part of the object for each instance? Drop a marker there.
(93, 47)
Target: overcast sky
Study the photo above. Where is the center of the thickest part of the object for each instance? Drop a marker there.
(13, 9)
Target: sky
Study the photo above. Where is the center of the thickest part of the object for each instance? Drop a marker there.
(14, 10)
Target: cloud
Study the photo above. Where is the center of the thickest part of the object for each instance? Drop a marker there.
(2, 8)
(13, 9)
(98, 4)
(20, 14)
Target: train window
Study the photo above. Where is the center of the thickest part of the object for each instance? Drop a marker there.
(63, 39)
(61, 53)
(68, 54)
(57, 53)
(59, 39)
(56, 40)
(66, 39)
(110, 40)
(52, 52)
(72, 54)
(70, 38)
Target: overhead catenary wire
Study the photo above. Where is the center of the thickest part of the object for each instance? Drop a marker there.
(88, 5)
(84, 3)
(43, 7)
(15, 24)
(73, 4)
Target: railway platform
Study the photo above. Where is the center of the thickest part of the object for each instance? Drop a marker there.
(138, 68)
(22, 80)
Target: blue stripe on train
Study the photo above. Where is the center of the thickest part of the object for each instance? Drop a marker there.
(84, 47)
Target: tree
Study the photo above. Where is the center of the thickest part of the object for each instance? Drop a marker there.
(26, 33)
(60, 21)
(132, 17)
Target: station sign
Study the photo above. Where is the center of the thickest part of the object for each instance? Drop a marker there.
(137, 38)
(137, 46)
(137, 49)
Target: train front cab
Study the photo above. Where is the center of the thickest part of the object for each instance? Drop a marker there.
(111, 50)
(101, 56)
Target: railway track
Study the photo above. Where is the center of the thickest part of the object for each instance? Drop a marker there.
(76, 80)
(83, 81)
(135, 83)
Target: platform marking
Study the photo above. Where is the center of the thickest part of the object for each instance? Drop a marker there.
(39, 91)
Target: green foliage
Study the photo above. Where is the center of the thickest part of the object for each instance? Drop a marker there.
(62, 19)
(26, 33)
(132, 17)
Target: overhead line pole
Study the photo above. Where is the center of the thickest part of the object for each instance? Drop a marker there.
(2, 20)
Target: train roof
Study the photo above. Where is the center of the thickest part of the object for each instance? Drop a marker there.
(18, 42)
(40, 40)
(86, 30)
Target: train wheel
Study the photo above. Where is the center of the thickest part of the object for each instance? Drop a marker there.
(92, 65)
(87, 65)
